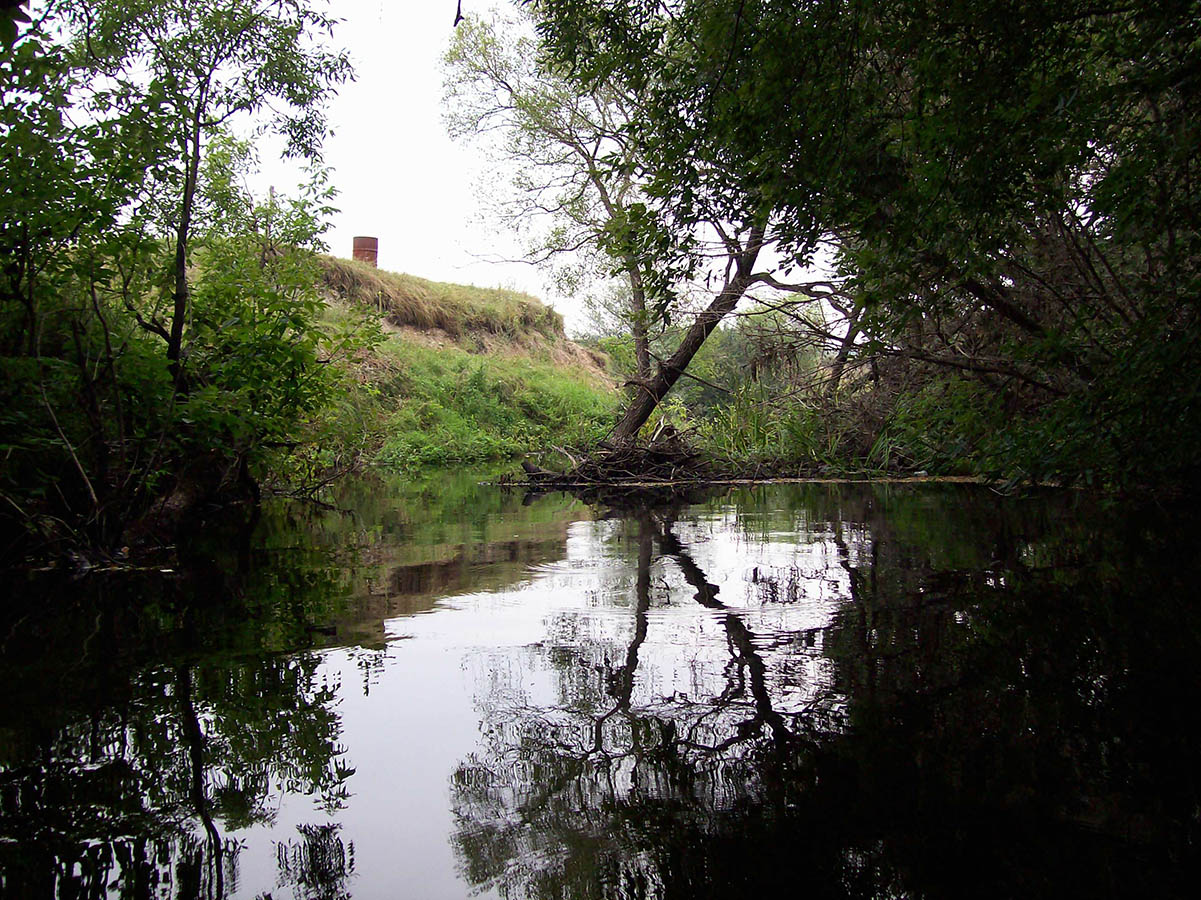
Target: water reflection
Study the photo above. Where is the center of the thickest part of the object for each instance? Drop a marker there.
(151, 722)
(988, 708)
(848, 690)
(137, 778)
(318, 865)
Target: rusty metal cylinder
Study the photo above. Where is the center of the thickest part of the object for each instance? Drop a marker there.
(366, 249)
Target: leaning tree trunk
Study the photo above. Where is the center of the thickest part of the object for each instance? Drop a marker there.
(652, 390)
(854, 329)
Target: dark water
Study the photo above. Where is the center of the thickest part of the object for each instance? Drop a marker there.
(442, 690)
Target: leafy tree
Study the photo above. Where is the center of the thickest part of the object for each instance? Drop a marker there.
(157, 323)
(575, 168)
(601, 180)
(710, 218)
(204, 65)
(1006, 187)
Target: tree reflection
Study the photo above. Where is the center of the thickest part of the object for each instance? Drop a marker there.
(124, 776)
(746, 664)
(996, 709)
(318, 866)
(567, 799)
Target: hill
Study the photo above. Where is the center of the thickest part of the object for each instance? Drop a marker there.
(459, 374)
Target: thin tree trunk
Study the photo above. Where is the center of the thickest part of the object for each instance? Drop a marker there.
(179, 313)
(653, 390)
(854, 329)
(642, 348)
(193, 738)
(615, 210)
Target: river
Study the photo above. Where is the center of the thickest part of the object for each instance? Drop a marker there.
(444, 689)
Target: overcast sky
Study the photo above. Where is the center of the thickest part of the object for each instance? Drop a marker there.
(400, 178)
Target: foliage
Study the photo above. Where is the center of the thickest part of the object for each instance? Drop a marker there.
(1009, 191)
(729, 401)
(208, 63)
(576, 191)
(12, 15)
(158, 324)
(603, 184)
(204, 66)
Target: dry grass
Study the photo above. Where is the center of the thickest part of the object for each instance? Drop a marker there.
(458, 310)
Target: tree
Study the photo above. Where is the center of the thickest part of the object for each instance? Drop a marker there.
(1006, 187)
(69, 180)
(602, 178)
(575, 168)
(157, 322)
(675, 58)
(205, 65)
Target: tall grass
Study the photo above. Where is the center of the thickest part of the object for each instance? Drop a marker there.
(756, 431)
(752, 430)
(454, 308)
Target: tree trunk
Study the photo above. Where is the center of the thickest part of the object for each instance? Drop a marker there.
(179, 312)
(616, 210)
(854, 329)
(193, 738)
(653, 390)
(642, 348)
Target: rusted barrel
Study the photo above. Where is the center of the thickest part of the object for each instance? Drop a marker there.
(366, 249)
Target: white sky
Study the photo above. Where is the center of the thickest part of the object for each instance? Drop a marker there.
(400, 178)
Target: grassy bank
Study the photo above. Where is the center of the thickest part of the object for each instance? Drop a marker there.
(456, 311)
(456, 374)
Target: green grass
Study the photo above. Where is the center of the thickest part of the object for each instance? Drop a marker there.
(455, 407)
(425, 399)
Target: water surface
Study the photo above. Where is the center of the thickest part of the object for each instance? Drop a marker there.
(443, 690)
